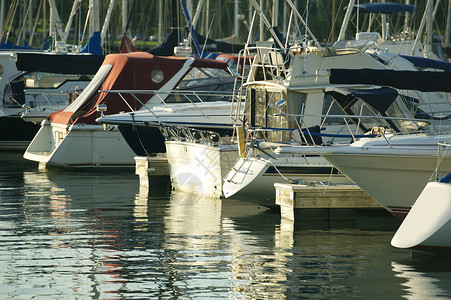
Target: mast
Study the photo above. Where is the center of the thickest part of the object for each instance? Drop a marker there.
(124, 15)
(262, 30)
(275, 13)
(407, 19)
(448, 24)
(55, 21)
(344, 25)
(266, 22)
(2, 11)
(427, 11)
(69, 22)
(384, 26)
(107, 21)
(160, 20)
(307, 29)
(196, 17)
(94, 17)
(236, 34)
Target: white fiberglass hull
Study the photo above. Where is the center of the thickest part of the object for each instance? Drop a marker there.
(199, 168)
(80, 146)
(393, 175)
(428, 223)
(252, 179)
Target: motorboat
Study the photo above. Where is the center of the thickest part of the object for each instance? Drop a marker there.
(202, 99)
(35, 84)
(297, 75)
(254, 175)
(72, 137)
(393, 168)
(428, 223)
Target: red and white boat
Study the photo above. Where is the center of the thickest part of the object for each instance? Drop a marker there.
(72, 138)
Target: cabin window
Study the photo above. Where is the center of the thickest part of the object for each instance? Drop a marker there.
(2, 70)
(157, 75)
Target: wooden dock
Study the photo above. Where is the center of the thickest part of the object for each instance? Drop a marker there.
(335, 201)
(146, 166)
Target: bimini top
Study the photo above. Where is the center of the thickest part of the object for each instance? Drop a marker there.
(384, 8)
(128, 71)
(423, 62)
(378, 98)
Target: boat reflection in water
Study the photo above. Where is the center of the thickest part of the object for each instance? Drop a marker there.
(424, 277)
(100, 235)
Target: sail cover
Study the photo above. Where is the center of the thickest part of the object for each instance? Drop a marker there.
(58, 63)
(425, 81)
(384, 8)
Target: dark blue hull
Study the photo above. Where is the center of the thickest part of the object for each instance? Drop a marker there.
(15, 133)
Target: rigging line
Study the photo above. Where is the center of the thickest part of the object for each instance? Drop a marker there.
(137, 134)
(35, 24)
(23, 24)
(206, 37)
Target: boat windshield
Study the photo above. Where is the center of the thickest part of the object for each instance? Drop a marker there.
(92, 87)
(202, 80)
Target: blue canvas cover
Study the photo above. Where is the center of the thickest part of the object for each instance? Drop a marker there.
(93, 45)
(425, 81)
(384, 8)
(422, 62)
(378, 98)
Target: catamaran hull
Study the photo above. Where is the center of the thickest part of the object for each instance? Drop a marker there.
(82, 146)
(252, 179)
(428, 224)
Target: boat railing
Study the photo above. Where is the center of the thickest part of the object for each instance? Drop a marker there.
(162, 96)
(183, 133)
(52, 99)
(307, 136)
(268, 61)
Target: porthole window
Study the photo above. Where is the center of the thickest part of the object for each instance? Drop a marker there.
(157, 76)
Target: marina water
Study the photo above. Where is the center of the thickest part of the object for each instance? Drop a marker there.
(89, 234)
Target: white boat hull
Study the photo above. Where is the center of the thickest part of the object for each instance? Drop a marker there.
(81, 146)
(428, 223)
(199, 168)
(394, 181)
(252, 179)
(392, 175)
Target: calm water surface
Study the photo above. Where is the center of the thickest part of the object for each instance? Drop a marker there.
(82, 234)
